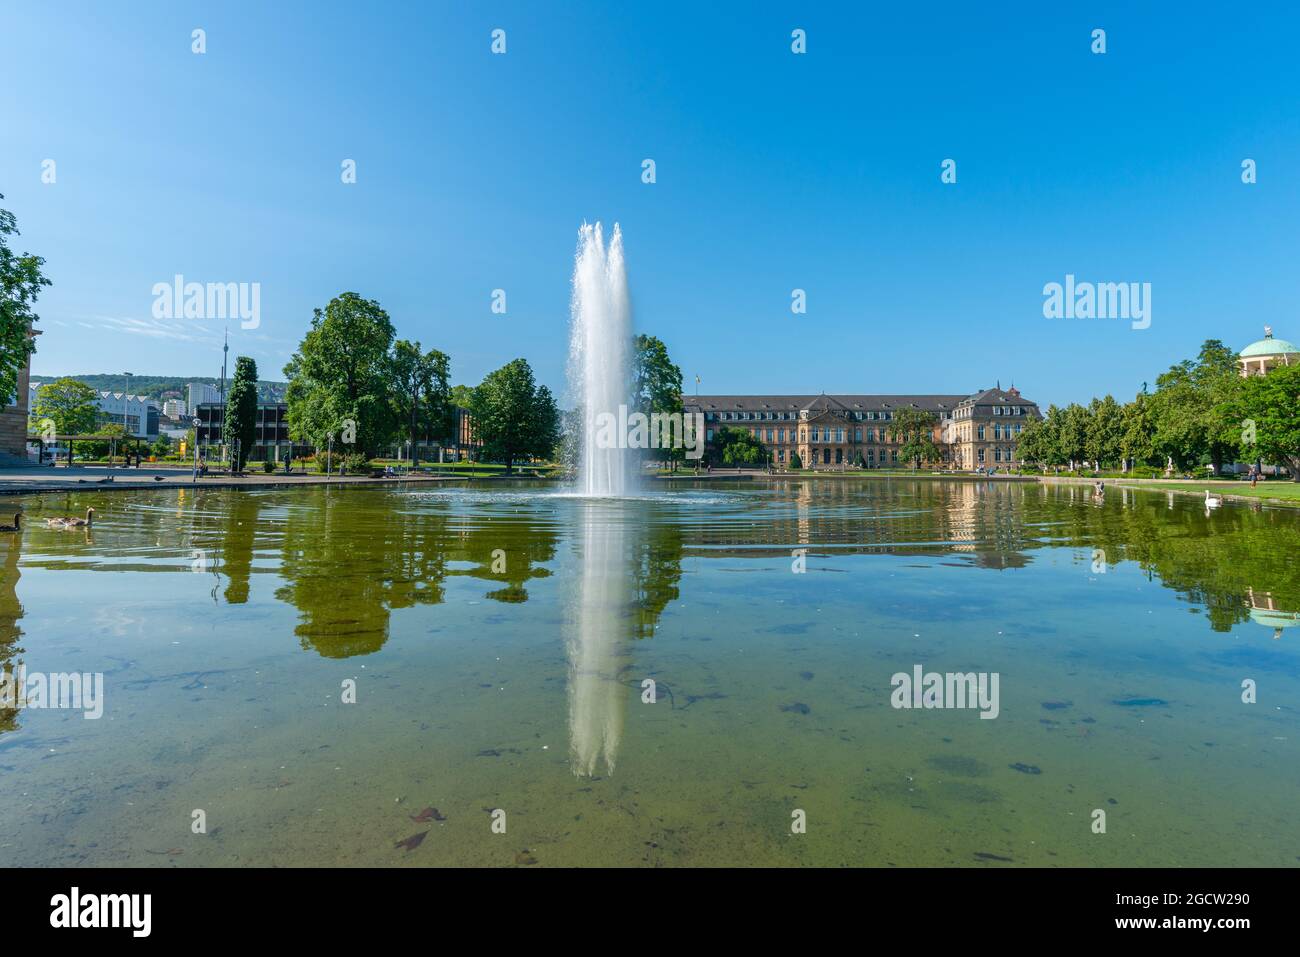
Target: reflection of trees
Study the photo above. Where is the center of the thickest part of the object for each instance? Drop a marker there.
(1213, 561)
(656, 568)
(11, 610)
(237, 545)
(351, 558)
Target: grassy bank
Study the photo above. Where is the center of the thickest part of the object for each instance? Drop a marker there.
(1272, 491)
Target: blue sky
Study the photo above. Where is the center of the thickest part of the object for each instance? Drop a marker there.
(774, 172)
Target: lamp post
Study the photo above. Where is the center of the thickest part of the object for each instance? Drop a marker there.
(197, 422)
(329, 458)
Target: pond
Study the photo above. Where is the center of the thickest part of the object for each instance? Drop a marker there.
(705, 674)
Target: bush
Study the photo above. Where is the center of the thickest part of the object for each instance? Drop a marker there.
(268, 466)
(795, 461)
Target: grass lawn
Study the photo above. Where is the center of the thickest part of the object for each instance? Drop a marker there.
(1284, 492)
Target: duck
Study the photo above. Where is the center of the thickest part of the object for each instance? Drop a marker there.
(88, 521)
(1212, 501)
(17, 526)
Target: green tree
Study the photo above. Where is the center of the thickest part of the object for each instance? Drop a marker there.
(1138, 427)
(1104, 431)
(1072, 433)
(461, 395)
(1037, 442)
(240, 425)
(736, 447)
(20, 283)
(72, 406)
(795, 461)
(342, 372)
(913, 430)
(513, 417)
(422, 395)
(657, 385)
(1269, 411)
(1190, 408)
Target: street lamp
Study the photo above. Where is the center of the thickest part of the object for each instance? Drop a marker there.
(197, 422)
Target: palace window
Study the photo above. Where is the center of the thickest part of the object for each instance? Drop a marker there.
(857, 435)
(980, 432)
(981, 456)
(708, 435)
(839, 435)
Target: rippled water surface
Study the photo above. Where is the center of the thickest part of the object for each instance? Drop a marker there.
(500, 639)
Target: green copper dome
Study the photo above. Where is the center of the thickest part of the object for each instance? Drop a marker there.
(1268, 346)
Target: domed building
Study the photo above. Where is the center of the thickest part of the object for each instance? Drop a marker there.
(1268, 353)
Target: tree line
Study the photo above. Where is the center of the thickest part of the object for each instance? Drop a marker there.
(1202, 412)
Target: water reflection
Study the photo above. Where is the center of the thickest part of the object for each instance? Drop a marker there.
(601, 625)
(11, 611)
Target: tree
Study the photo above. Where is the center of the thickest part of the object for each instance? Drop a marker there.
(461, 395)
(1037, 443)
(913, 429)
(514, 417)
(657, 384)
(1190, 408)
(421, 392)
(341, 373)
(20, 283)
(1269, 410)
(1138, 427)
(1104, 431)
(72, 406)
(795, 461)
(737, 447)
(239, 427)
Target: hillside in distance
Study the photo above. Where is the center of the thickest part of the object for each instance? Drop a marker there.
(154, 386)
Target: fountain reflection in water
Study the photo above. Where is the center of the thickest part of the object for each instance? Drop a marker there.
(598, 637)
(600, 357)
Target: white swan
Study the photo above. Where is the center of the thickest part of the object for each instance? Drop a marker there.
(1212, 501)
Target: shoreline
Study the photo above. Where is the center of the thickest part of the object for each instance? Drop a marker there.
(25, 481)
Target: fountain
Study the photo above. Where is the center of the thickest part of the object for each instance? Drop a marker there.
(600, 358)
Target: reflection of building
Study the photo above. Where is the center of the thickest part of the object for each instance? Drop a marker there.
(1264, 611)
(841, 430)
(271, 442)
(1268, 353)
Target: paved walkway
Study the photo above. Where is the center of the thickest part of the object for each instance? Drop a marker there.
(28, 481)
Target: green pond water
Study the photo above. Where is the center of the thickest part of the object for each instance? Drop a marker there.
(499, 635)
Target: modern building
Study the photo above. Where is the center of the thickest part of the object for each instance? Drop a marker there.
(1266, 354)
(199, 393)
(841, 431)
(271, 441)
(138, 414)
(174, 409)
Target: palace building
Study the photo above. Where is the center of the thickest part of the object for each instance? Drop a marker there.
(845, 431)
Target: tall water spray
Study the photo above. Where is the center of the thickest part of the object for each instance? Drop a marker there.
(600, 358)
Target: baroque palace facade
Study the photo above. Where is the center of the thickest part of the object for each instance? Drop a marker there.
(833, 431)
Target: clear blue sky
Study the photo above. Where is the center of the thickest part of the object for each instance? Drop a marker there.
(775, 171)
